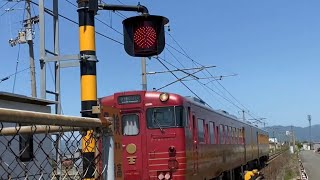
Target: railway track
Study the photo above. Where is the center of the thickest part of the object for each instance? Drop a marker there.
(275, 155)
(272, 157)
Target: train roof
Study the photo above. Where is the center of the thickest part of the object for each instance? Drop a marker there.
(199, 102)
(203, 104)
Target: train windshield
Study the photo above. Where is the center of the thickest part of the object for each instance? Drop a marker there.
(165, 117)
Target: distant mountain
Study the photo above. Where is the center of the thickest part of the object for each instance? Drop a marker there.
(301, 134)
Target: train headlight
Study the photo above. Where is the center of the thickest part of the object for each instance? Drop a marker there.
(161, 176)
(164, 97)
(167, 176)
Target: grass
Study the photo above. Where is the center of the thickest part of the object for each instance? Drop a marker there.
(291, 170)
(290, 174)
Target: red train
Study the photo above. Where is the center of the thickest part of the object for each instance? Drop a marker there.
(170, 137)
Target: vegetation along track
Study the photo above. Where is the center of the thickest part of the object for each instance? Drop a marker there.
(275, 155)
(273, 166)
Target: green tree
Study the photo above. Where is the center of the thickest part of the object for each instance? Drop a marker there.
(299, 145)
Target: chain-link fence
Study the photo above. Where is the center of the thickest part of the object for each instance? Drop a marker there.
(32, 151)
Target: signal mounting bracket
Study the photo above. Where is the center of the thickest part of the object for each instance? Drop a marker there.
(139, 8)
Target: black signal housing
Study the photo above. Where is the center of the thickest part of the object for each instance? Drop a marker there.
(144, 35)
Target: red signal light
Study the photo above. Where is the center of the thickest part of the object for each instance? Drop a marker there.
(144, 35)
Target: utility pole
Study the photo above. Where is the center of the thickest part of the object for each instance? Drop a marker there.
(293, 139)
(26, 36)
(243, 116)
(29, 38)
(274, 141)
(309, 119)
(144, 73)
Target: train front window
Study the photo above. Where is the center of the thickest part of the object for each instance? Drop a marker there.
(164, 117)
(130, 125)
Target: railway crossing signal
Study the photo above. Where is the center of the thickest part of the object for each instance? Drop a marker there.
(144, 35)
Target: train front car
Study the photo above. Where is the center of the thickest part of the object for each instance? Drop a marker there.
(153, 134)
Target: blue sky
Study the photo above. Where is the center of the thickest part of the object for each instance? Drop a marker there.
(272, 45)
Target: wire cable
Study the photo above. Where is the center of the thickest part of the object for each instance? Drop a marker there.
(17, 64)
(10, 8)
(7, 77)
(178, 79)
(4, 4)
(202, 84)
(118, 12)
(98, 19)
(206, 86)
(74, 22)
(197, 63)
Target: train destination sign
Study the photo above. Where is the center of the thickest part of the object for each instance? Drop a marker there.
(132, 99)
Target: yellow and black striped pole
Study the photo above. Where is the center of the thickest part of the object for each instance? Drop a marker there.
(88, 81)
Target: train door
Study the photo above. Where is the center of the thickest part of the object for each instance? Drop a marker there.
(132, 142)
(195, 145)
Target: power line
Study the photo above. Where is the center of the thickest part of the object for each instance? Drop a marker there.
(203, 84)
(10, 8)
(15, 74)
(208, 87)
(98, 19)
(74, 22)
(4, 4)
(178, 78)
(7, 77)
(117, 12)
(120, 2)
(197, 63)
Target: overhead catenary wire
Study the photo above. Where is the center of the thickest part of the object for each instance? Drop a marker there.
(178, 78)
(197, 63)
(122, 44)
(202, 84)
(183, 53)
(4, 4)
(98, 19)
(117, 12)
(10, 8)
(206, 86)
(74, 22)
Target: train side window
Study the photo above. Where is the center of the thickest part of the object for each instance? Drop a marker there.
(207, 134)
(240, 136)
(234, 135)
(201, 137)
(243, 137)
(236, 140)
(230, 134)
(212, 133)
(217, 135)
(240, 142)
(226, 135)
(130, 125)
(221, 136)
